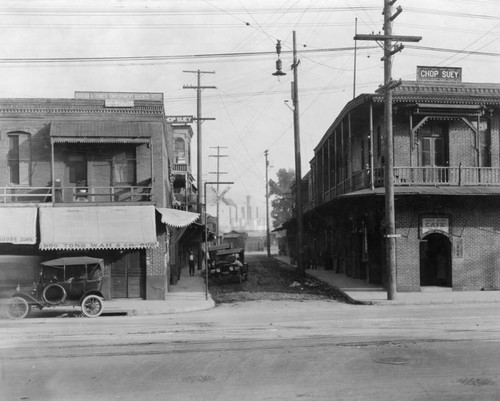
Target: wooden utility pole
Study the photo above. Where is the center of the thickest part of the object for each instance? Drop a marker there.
(199, 120)
(268, 235)
(298, 167)
(387, 87)
(218, 173)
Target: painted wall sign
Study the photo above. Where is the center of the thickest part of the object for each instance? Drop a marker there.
(429, 224)
(179, 119)
(120, 95)
(449, 74)
(458, 248)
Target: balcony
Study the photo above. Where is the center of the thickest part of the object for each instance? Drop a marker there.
(416, 176)
(75, 194)
(185, 202)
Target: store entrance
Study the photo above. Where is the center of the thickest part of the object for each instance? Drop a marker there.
(435, 261)
(128, 276)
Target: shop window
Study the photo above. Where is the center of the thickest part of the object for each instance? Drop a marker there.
(19, 158)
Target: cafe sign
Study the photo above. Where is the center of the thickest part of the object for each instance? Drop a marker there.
(432, 224)
(446, 74)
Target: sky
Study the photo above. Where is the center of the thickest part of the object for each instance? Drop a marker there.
(50, 49)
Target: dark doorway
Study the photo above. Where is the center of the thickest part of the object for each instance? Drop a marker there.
(128, 276)
(435, 261)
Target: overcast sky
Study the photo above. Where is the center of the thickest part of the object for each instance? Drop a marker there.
(236, 39)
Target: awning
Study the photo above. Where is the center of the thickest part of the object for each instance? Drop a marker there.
(100, 227)
(101, 132)
(18, 225)
(177, 218)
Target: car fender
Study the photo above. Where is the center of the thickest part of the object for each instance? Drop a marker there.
(93, 292)
(29, 298)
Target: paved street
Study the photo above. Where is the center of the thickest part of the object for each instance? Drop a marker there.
(262, 350)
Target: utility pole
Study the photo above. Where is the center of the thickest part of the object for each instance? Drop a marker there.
(387, 87)
(296, 131)
(218, 173)
(199, 120)
(268, 235)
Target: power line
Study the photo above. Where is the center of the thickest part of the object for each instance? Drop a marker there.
(159, 58)
(42, 60)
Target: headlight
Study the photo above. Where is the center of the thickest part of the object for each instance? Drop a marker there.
(231, 268)
(217, 270)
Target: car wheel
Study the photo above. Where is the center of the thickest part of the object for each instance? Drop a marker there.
(92, 306)
(17, 308)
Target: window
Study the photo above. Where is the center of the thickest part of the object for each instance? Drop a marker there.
(485, 144)
(19, 158)
(379, 141)
(124, 166)
(77, 166)
(180, 150)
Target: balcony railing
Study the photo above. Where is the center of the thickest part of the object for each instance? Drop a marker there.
(416, 176)
(76, 194)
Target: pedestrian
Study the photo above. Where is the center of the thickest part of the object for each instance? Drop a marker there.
(191, 264)
(314, 259)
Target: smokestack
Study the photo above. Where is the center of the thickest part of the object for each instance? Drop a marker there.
(249, 208)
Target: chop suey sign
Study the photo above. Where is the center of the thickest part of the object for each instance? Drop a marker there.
(453, 74)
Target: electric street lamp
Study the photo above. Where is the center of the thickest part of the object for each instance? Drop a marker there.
(206, 230)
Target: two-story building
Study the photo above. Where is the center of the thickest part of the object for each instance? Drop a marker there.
(89, 176)
(446, 145)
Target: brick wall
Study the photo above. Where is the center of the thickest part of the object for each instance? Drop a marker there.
(474, 224)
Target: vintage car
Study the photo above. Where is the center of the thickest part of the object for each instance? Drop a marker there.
(228, 264)
(65, 281)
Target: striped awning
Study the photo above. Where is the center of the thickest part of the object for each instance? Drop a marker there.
(18, 225)
(99, 227)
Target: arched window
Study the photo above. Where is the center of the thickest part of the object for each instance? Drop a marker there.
(19, 158)
(180, 150)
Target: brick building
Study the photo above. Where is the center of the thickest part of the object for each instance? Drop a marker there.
(89, 176)
(446, 184)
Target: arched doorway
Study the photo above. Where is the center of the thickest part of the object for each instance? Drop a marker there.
(435, 260)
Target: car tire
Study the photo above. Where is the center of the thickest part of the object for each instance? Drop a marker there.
(54, 294)
(92, 306)
(17, 308)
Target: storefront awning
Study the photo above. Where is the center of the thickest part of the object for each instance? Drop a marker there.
(100, 227)
(101, 132)
(177, 218)
(18, 225)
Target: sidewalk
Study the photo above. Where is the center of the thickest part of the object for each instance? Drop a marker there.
(187, 295)
(360, 290)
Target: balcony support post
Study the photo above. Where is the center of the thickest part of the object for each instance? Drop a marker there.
(372, 181)
(52, 168)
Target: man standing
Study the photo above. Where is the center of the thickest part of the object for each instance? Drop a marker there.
(191, 264)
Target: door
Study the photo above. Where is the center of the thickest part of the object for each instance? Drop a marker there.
(433, 155)
(435, 261)
(434, 152)
(128, 278)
